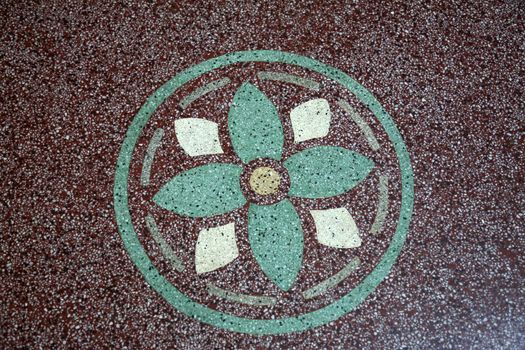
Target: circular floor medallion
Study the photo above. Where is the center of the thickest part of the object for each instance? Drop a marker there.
(263, 192)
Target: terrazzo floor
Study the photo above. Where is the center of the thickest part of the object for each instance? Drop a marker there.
(262, 175)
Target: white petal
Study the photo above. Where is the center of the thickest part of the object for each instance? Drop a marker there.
(198, 136)
(336, 228)
(311, 120)
(216, 247)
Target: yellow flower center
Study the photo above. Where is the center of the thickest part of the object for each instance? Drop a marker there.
(265, 181)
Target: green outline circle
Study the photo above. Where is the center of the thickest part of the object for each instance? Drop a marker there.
(219, 319)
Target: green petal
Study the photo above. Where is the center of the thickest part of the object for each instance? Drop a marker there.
(326, 171)
(254, 125)
(203, 191)
(276, 240)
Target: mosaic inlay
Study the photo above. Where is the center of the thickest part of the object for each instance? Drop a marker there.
(263, 192)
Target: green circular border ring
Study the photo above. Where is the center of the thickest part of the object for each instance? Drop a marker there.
(216, 318)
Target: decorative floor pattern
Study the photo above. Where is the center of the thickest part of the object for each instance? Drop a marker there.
(276, 183)
(262, 175)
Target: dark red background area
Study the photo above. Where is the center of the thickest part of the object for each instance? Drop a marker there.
(73, 75)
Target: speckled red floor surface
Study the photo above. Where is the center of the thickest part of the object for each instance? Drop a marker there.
(451, 74)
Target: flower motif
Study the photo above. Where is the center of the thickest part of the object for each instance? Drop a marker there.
(274, 229)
